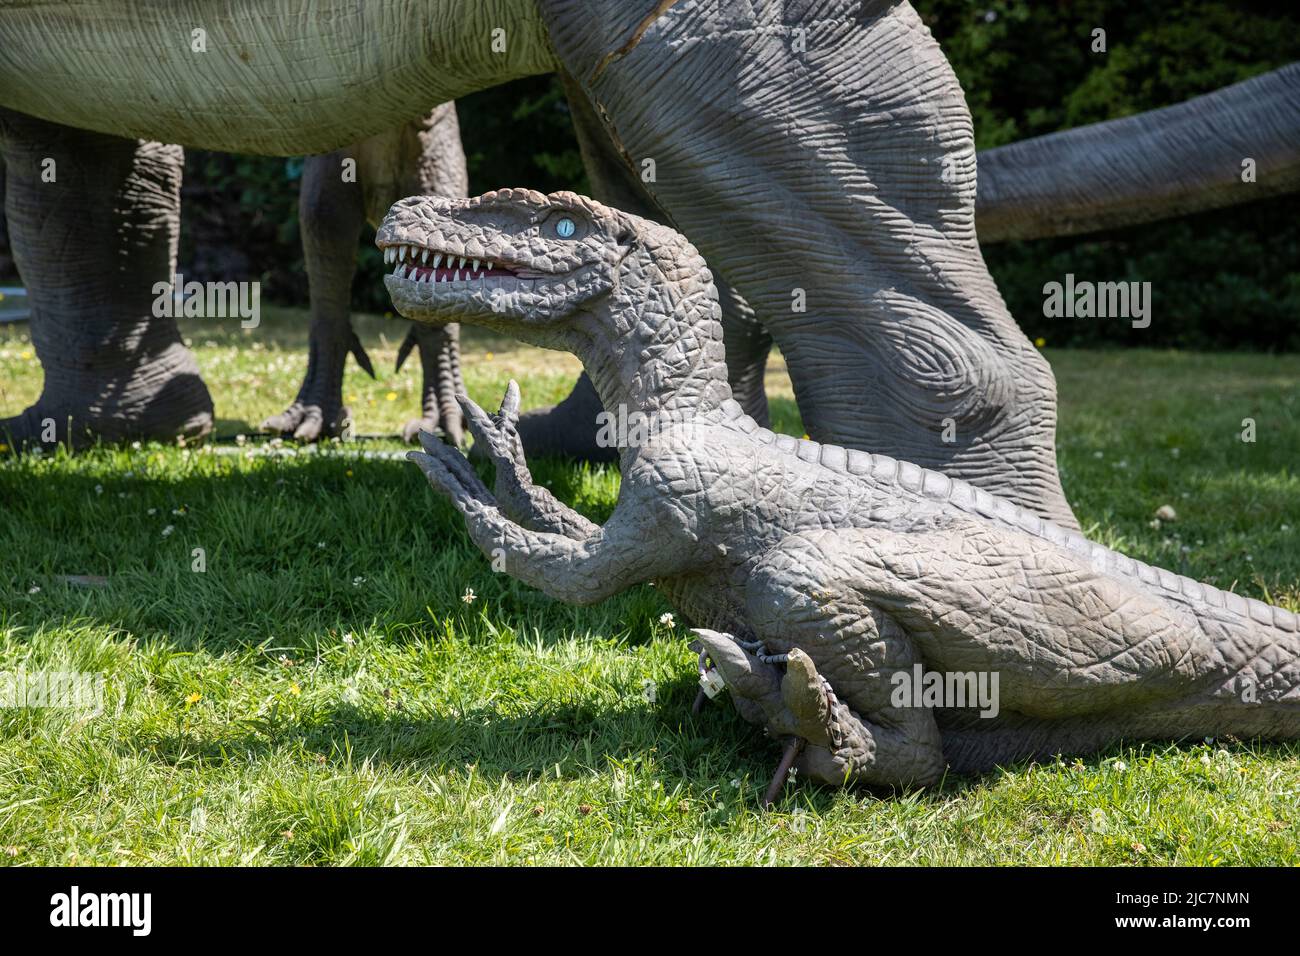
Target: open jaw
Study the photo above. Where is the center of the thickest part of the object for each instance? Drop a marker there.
(417, 263)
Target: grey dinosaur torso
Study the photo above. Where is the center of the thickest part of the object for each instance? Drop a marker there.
(796, 485)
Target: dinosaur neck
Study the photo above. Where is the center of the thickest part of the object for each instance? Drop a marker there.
(641, 361)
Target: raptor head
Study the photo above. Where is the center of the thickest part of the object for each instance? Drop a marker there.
(514, 260)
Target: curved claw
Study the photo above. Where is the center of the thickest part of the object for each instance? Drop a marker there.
(408, 344)
(444, 478)
(794, 706)
(480, 424)
(495, 435)
(507, 415)
(744, 673)
(307, 422)
(455, 464)
(804, 696)
(439, 475)
(359, 353)
(509, 411)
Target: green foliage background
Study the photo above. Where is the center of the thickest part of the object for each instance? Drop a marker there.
(1222, 279)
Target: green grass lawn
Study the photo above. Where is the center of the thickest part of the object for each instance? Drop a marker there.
(325, 692)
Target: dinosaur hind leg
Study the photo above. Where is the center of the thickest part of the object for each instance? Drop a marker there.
(820, 668)
(331, 215)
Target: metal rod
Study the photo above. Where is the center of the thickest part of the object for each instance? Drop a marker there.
(782, 771)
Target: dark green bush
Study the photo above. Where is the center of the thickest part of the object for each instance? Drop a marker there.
(1222, 279)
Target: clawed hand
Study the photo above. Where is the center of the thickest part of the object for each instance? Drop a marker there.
(449, 472)
(499, 434)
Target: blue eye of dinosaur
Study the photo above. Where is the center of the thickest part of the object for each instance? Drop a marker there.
(564, 228)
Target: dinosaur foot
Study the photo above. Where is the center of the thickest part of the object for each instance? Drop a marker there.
(310, 421)
(180, 410)
(440, 414)
(318, 411)
(795, 705)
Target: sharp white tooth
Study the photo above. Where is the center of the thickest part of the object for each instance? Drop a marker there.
(424, 256)
(462, 262)
(437, 259)
(388, 255)
(474, 268)
(402, 253)
(492, 265)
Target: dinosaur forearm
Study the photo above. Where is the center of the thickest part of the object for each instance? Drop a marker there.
(535, 507)
(538, 510)
(581, 570)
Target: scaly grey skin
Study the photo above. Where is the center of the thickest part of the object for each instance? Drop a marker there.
(850, 190)
(845, 567)
(1048, 186)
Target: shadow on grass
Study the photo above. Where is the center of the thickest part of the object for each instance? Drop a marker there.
(290, 549)
(562, 740)
(564, 737)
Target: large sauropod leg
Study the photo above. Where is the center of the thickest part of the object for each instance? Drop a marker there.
(339, 192)
(569, 428)
(94, 221)
(615, 184)
(825, 164)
